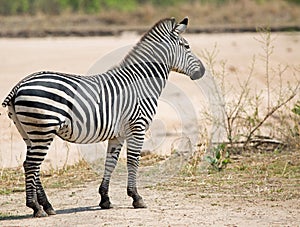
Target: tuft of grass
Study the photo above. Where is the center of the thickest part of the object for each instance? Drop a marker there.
(150, 159)
(70, 176)
(13, 179)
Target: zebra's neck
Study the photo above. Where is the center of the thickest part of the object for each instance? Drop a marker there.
(147, 64)
(149, 58)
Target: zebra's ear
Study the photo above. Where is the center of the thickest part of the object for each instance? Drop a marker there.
(181, 27)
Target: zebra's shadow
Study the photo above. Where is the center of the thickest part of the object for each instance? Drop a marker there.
(63, 211)
(78, 209)
(15, 217)
(90, 208)
(58, 212)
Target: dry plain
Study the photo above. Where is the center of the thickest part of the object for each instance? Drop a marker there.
(78, 207)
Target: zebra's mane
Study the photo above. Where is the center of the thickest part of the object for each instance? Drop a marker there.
(168, 22)
(165, 24)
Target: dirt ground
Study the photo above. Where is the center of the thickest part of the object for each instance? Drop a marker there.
(174, 207)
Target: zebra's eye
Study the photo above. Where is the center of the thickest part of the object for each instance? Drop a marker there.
(185, 44)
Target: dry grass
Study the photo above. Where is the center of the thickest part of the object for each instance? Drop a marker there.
(13, 179)
(269, 176)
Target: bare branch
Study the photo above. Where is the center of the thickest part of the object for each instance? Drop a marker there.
(270, 113)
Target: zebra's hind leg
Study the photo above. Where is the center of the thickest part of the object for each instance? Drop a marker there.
(37, 148)
(34, 189)
(31, 190)
(42, 198)
(135, 144)
(35, 195)
(113, 151)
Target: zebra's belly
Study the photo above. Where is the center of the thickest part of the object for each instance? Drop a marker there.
(92, 131)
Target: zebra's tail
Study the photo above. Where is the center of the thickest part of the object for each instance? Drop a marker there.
(10, 96)
(13, 92)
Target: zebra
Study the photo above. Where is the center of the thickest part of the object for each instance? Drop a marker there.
(117, 106)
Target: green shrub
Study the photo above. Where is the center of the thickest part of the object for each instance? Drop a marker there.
(296, 109)
(220, 158)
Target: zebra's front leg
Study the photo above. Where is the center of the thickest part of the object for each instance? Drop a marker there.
(113, 151)
(135, 144)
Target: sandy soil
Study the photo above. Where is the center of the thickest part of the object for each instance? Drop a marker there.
(78, 206)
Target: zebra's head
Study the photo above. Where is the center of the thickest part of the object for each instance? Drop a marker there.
(183, 59)
(167, 44)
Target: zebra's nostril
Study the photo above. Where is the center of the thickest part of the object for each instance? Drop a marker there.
(198, 74)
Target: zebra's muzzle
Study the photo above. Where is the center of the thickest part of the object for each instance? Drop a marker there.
(198, 74)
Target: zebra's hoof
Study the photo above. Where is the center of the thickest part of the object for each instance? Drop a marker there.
(139, 204)
(40, 214)
(50, 211)
(105, 205)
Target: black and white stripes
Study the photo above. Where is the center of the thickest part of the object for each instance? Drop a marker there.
(117, 106)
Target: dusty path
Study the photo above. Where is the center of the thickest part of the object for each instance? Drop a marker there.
(176, 207)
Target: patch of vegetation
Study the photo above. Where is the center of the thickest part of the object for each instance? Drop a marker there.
(55, 7)
(13, 180)
(89, 17)
(220, 157)
(296, 109)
